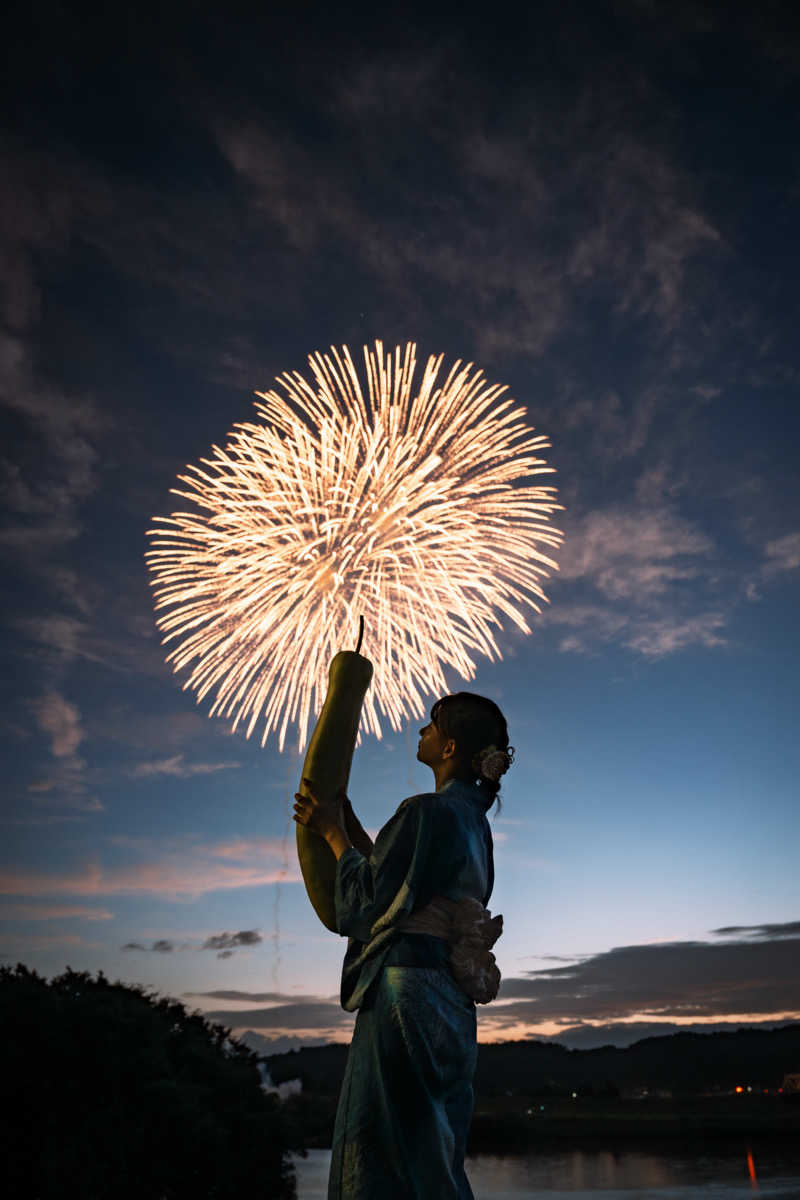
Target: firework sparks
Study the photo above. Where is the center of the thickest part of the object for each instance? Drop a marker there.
(413, 508)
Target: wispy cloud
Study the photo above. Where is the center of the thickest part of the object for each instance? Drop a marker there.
(160, 946)
(41, 504)
(667, 635)
(53, 912)
(253, 997)
(314, 1016)
(633, 566)
(178, 767)
(782, 554)
(632, 553)
(640, 235)
(23, 943)
(187, 872)
(61, 720)
(64, 782)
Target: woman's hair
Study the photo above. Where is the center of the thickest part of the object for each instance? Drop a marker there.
(474, 723)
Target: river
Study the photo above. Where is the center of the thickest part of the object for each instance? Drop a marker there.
(716, 1173)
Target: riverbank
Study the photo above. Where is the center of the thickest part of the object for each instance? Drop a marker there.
(506, 1124)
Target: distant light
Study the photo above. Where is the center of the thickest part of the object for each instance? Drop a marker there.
(574, 1095)
(740, 1089)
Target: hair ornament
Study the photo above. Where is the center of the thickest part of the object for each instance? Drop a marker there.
(493, 763)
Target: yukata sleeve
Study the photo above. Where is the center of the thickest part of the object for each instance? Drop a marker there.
(372, 894)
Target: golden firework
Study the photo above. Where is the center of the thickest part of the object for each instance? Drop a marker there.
(412, 507)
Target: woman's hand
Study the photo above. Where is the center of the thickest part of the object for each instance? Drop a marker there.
(321, 818)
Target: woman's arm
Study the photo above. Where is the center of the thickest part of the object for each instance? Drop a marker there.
(376, 891)
(355, 830)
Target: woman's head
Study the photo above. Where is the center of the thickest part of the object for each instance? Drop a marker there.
(479, 732)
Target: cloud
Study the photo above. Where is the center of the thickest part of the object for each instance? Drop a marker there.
(514, 285)
(680, 981)
(41, 502)
(646, 231)
(253, 997)
(65, 782)
(61, 719)
(590, 1037)
(226, 943)
(53, 912)
(779, 930)
(177, 766)
(314, 1016)
(281, 1044)
(60, 632)
(63, 637)
(651, 634)
(616, 997)
(631, 566)
(666, 635)
(129, 726)
(19, 943)
(782, 554)
(632, 553)
(161, 946)
(187, 871)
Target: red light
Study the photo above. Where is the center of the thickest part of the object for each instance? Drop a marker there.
(751, 1166)
(740, 1089)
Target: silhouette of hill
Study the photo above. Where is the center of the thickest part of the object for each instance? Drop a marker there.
(680, 1062)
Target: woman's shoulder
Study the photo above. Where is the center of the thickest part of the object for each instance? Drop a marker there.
(420, 800)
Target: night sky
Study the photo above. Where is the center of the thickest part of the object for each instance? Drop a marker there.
(598, 204)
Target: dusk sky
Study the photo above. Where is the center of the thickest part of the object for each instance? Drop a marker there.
(598, 204)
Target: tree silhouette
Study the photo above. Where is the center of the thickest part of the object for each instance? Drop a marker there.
(112, 1092)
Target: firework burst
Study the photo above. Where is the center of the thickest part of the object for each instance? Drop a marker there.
(411, 507)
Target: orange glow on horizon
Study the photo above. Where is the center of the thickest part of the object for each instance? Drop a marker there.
(494, 1026)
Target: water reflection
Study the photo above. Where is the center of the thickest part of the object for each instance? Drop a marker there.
(728, 1173)
(751, 1171)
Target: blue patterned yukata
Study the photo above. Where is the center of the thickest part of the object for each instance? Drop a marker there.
(406, 1101)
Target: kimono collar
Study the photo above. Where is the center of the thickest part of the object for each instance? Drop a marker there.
(470, 791)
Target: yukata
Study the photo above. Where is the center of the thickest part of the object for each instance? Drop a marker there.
(406, 1101)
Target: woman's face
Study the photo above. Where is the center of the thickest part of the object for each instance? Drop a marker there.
(431, 744)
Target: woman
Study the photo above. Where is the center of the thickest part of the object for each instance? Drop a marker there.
(413, 908)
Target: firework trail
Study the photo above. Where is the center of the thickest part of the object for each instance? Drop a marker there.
(413, 507)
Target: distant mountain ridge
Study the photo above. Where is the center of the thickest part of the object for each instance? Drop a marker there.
(690, 1062)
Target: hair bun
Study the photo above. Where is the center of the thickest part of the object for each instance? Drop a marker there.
(492, 763)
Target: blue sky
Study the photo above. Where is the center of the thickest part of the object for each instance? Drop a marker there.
(599, 210)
